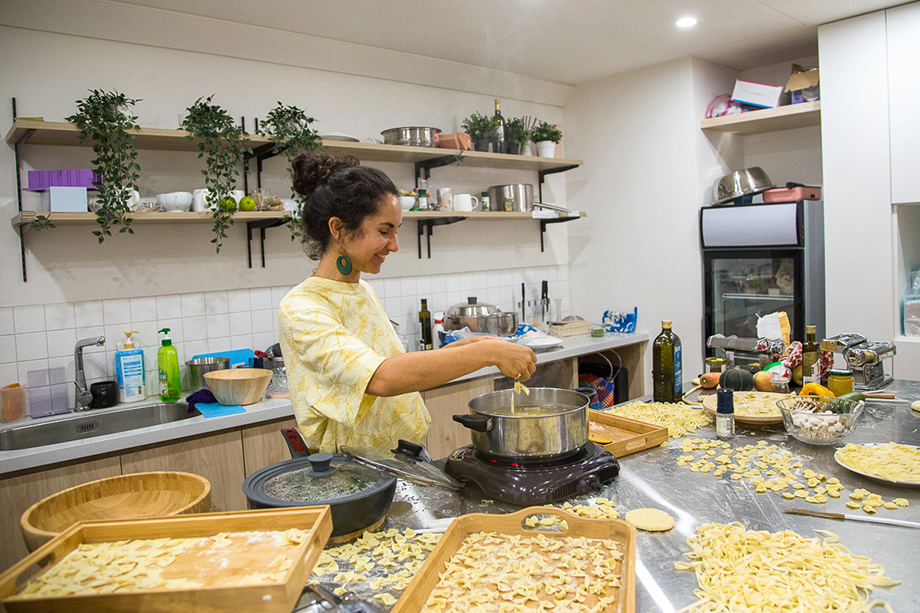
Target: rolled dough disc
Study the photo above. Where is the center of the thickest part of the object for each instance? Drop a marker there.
(915, 405)
(651, 520)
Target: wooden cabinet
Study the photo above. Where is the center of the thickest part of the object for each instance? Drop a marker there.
(445, 435)
(217, 458)
(264, 445)
(19, 493)
(903, 24)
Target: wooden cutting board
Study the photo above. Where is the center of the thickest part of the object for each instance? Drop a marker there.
(710, 403)
(625, 435)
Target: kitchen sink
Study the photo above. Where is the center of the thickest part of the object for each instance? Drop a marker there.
(87, 424)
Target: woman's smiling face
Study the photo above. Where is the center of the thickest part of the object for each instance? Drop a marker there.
(376, 238)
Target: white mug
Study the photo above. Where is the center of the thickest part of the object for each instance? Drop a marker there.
(200, 199)
(464, 202)
(237, 195)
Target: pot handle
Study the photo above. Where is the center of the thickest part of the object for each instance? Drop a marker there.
(479, 424)
(587, 390)
(295, 443)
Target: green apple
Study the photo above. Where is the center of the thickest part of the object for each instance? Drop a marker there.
(227, 203)
(247, 204)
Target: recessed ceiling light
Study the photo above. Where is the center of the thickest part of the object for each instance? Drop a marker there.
(685, 22)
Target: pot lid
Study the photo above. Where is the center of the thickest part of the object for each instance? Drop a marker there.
(400, 463)
(472, 308)
(323, 478)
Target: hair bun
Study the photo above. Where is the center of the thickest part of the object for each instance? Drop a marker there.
(312, 170)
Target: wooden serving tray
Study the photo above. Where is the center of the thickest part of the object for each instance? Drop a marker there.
(236, 561)
(628, 435)
(426, 579)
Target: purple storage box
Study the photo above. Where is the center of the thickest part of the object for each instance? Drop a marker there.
(43, 179)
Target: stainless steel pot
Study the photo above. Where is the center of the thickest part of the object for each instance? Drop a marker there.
(737, 185)
(198, 367)
(511, 198)
(546, 424)
(480, 317)
(412, 136)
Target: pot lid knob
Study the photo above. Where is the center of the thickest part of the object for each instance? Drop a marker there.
(320, 465)
(471, 299)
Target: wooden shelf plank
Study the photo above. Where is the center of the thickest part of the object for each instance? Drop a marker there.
(72, 219)
(66, 134)
(767, 120)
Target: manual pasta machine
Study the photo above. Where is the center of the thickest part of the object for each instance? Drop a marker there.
(865, 358)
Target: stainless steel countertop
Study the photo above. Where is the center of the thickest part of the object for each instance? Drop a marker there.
(651, 478)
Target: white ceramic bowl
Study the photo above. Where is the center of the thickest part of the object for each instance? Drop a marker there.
(175, 201)
(406, 202)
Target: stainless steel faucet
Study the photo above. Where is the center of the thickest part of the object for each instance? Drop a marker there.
(83, 397)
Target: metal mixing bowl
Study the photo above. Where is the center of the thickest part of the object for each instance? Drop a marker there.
(412, 136)
(742, 183)
(198, 367)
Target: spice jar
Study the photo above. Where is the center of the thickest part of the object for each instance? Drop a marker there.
(840, 381)
(716, 364)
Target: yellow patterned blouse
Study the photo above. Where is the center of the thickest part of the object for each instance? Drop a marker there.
(333, 336)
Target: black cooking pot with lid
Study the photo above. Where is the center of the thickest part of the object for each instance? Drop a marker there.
(358, 496)
(546, 424)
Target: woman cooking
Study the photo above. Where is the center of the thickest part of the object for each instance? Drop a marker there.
(350, 380)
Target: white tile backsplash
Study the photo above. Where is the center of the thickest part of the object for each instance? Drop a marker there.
(36, 338)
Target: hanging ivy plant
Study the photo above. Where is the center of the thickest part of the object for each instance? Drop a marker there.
(104, 118)
(288, 127)
(223, 145)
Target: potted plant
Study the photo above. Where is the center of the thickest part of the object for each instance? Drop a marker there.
(288, 127)
(481, 130)
(223, 142)
(516, 135)
(104, 117)
(546, 135)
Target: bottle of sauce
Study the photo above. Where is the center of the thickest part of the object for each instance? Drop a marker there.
(725, 414)
(424, 322)
(810, 369)
(499, 122)
(667, 374)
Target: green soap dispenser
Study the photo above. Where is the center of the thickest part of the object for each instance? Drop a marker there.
(168, 364)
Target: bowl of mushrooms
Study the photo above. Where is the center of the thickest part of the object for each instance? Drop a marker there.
(819, 420)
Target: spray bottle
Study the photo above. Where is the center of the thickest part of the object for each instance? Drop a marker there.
(129, 371)
(168, 364)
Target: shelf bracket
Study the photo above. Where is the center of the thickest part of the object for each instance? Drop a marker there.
(260, 226)
(546, 222)
(18, 169)
(425, 226)
(551, 171)
(423, 168)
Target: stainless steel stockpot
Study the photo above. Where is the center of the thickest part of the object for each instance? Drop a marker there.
(511, 198)
(548, 423)
(413, 136)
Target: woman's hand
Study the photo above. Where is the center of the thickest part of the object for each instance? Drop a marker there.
(515, 361)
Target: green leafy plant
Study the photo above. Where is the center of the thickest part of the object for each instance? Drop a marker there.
(288, 127)
(480, 127)
(104, 118)
(516, 132)
(41, 222)
(546, 131)
(223, 145)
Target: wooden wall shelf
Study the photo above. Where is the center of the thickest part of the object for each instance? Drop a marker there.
(766, 120)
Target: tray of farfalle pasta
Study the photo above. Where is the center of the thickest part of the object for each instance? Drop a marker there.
(244, 560)
(527, 561)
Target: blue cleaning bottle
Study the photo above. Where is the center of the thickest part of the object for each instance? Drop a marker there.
(129, 371)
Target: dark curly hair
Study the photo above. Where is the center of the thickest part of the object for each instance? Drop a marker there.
(336, 187)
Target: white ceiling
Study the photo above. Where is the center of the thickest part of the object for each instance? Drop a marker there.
(565, 41)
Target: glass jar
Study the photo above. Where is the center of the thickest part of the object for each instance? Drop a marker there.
(840, 381)
(779, 384)
(716, 364)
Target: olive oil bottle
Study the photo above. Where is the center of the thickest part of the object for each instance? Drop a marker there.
(667, 373)
(424, 322)
(811, 371)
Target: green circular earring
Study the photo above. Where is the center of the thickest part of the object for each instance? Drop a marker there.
(342, 263)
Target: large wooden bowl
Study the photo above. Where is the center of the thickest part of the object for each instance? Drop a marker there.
(124, 497)
(238, 385)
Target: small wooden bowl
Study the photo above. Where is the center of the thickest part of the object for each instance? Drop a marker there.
(238, 385)
(123, 497)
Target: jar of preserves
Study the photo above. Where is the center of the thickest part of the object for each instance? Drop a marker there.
(840, 381)
(716, 364)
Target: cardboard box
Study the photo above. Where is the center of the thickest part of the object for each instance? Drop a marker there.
(753, 93)
(804, 86)
(64, 200)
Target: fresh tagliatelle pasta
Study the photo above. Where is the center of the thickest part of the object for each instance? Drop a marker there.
(678, 418)
(746, 571)
(893, 461)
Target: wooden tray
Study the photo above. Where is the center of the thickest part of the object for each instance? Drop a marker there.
(426, 579)
(242, 558)
(709, 404)
(628, 435)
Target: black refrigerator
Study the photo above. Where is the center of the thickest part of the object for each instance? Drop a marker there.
(759, 259)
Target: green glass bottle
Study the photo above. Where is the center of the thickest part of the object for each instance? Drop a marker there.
(499, 122)
(424, 323)
(667, 372)
(811, 370)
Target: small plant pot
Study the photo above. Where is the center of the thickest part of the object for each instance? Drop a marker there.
(546, 149)
(512, 148)
(482, 144)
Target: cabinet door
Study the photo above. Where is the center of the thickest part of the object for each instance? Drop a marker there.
(218, 458)
(445, 435)
(903, 24)
(264, 445)
(19, 493)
